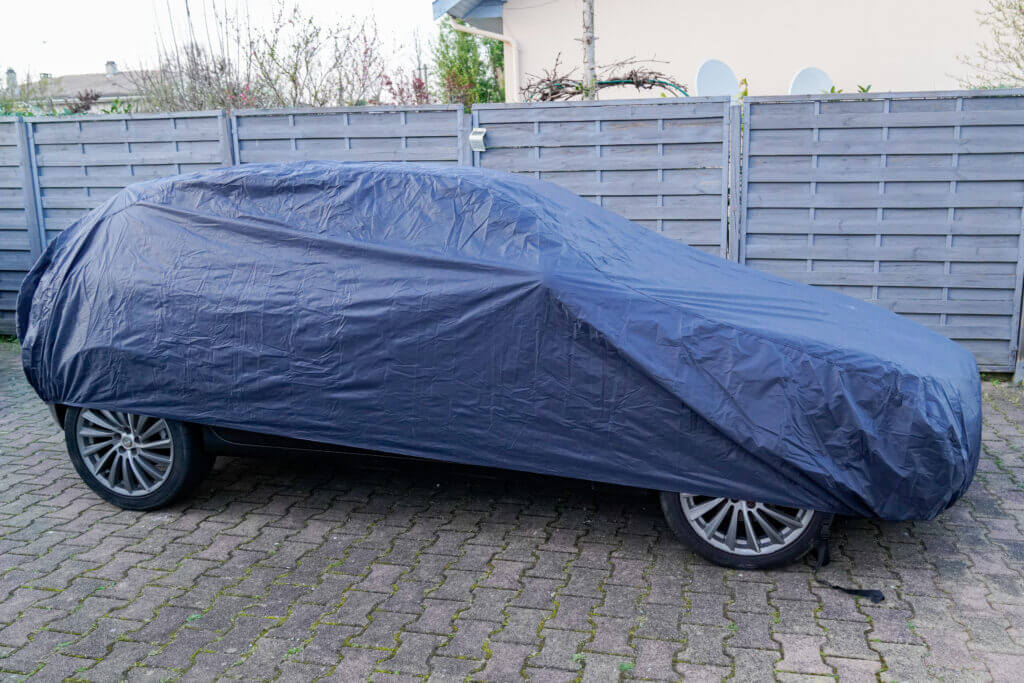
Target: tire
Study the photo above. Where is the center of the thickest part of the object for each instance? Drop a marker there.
(793, 540)
(134, 462)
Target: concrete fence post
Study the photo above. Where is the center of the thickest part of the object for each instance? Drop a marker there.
(227, 133)
(735, 160)
(30, 189)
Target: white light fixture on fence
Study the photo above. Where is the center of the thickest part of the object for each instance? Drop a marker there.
(810, 81)
(476, 140)
(714, 77)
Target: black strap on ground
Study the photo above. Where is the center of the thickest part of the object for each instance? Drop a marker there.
(824, 557)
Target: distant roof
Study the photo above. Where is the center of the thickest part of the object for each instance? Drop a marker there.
(481, 13)
(114, 85)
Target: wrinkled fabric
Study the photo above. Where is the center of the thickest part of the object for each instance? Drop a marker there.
(471, 316)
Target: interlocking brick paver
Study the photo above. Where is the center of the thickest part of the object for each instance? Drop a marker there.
(44, 647)
(802, 654)
(703, 673)
(847, 639)
(796, 616)
(84, 616)
(468, 639)
(705, 608)
(383, 629)
(751, 630)
(178, 654)
(327, 643)
(522, 625)
(487, 604)
(903, 662)
(601, 667)
(855, 670)
(753, 665)
(356, 664)
(116, 665)
(611, 635)
(655, 659)
(561, 649)
(303, 567)
(450, 668)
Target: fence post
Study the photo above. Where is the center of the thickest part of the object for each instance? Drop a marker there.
(735, 182)
(1018, 353)
(227, 146)
(723, 231)
(30, 189)
(1018, 368)
(743, 181)
(463, 125)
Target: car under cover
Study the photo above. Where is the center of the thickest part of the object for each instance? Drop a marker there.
(484, 318)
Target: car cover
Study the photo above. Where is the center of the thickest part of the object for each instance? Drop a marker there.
(491, 319)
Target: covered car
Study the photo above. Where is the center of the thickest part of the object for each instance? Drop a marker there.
(479, 317)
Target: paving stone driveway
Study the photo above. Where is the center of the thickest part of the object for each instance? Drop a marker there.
(299, 568)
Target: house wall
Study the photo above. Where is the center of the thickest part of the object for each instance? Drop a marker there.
(894, 45)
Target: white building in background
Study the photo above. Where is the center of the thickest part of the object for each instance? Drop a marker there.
(108, 86)
(891, 45)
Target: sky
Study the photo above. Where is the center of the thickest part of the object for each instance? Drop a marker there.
(62, 37)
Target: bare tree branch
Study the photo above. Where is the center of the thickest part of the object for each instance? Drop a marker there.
(292, 60)
(999, 62)
(554, 84)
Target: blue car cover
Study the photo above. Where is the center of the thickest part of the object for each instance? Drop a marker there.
(484, 318)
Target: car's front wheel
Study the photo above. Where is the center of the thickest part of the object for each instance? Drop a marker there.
(133, 461)
(743, 534)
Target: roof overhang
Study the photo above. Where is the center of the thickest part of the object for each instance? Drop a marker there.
(485, 14)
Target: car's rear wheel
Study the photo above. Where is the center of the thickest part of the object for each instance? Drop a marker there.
(743, 534)
(133, 461)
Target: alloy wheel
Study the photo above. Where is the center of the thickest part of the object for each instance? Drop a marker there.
(744, 527)
(129, 454)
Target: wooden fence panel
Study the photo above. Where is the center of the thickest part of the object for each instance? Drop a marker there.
(430, 134)
(663, 163)
(913, 202)
(81, 161)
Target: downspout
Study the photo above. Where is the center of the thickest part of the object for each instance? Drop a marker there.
(512, 68)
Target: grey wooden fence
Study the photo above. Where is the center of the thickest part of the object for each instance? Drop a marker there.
(913, 202)
(661, 163)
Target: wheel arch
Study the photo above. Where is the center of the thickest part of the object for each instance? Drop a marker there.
(57, 412)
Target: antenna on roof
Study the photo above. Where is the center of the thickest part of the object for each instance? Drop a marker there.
(810, 81)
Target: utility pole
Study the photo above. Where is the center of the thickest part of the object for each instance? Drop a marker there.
(589, 63)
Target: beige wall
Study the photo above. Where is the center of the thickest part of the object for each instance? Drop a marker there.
(891, 44)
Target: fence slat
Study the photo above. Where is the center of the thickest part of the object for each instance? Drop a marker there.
(768, 174)
(893, 227)
(924, 254)
(934, 145)
(916, 119)
(783, 198)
